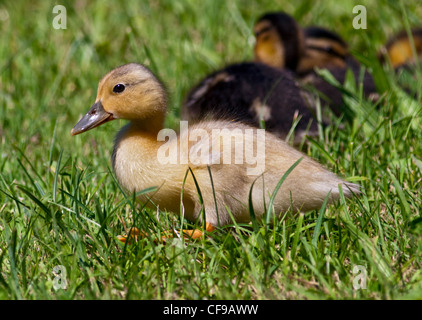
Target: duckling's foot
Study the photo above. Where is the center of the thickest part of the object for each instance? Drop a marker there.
(196, 233)
(134, 233)
(188, 233)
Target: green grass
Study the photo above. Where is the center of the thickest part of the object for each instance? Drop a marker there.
(61, 205)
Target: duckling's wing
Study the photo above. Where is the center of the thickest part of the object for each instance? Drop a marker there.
(350, 188)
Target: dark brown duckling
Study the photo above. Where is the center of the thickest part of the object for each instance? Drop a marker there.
(325, 49)
(252, 93)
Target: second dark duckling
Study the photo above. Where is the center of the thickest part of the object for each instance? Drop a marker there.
(314, 47)
(325, 49)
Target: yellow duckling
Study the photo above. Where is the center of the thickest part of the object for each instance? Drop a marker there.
(143, 157)
(399, 49)
(404, 52)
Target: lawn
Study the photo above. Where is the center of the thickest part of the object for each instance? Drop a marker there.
(61, 208)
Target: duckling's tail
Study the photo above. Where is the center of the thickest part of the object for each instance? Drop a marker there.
(331, 183)
(349, 189)
(319, 191)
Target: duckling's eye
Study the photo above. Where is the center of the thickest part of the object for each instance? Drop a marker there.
(263, 30)
(118, 88)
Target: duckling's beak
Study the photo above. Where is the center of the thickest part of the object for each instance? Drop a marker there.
(96, 116)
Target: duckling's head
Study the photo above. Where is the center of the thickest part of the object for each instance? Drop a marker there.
(279, 40)
(128, 92)
(399, 49)
(323, 48)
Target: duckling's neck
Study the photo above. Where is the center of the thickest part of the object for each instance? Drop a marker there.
(150, 126)
(134, 157)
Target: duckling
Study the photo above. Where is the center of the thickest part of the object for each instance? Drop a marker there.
(133, 93)
(279, 41)
(325, 49)
(253, 93)
(313, 47)
(277, 33)
(399, 49)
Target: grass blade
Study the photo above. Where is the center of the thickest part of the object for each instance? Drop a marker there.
(273, 195)
(251, 209)
(213, 194)
(319, 221)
